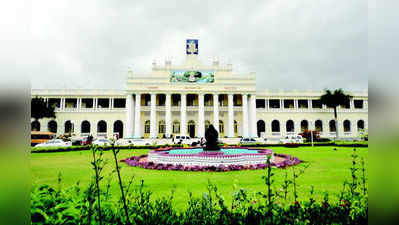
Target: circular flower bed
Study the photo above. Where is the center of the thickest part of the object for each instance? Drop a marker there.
(281, 161)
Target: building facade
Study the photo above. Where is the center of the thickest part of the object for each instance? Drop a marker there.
(186, 99)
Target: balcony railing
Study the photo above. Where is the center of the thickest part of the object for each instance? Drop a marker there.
(101, 134)
(276, 133)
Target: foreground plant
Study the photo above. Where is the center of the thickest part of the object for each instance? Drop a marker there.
(115, 153)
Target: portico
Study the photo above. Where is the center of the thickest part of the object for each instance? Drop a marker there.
(192, 108)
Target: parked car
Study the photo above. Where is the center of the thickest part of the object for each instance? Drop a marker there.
(76, 140)
(86, 140)
(298, 139)
(102, 142)
(55, 143)
(247, 141)
(132, 141)
(183, 140)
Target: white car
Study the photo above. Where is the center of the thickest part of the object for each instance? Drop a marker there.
(247, 141)
(55, 143)
(298, 139)
(132, 141)
(183, 140)
(102, 142)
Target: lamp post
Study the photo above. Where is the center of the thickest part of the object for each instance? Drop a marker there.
(311, 132)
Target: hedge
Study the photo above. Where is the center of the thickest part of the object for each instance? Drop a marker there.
(356, 144)
(88, 147)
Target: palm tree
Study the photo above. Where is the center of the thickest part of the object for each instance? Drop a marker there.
(39, 109)
(333, 99)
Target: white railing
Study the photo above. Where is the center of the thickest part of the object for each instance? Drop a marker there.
(101, 134)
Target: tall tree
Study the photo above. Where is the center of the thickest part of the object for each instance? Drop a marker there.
(333, 99)
(40, 109)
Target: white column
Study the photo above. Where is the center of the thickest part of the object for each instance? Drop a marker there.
(252, 116)
(216, 111)
(245, 115)
(183, 122)
(62, 104)
(168, 116)
(351, 104)
(201, 119)
(129, 115)
(267, 105)
(77, 105)
(137, 120)
(231, 115)
(153, 117)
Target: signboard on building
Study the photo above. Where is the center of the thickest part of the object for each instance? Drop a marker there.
(192, 47)
(192, 76)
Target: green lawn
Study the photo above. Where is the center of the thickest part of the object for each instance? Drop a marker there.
(326, 172)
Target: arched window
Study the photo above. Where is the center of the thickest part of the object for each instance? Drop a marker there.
(290, 126)
(191, 128)
(221, 126)
(347, 126)
(68, 127)
(147, 127)
(207, 124)
(332, 126)
(261, 127)
(162, 127)
(118, 128)
(304, 125)
(235, 126)
(176, 127)
(319, 125)
(101, 127)
(360, 125)
(275, 126)
(52, 126)
(35, 126)
(85, 127)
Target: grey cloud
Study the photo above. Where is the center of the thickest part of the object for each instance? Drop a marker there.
(290, 44)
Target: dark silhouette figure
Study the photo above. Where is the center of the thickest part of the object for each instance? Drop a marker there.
(211, 136)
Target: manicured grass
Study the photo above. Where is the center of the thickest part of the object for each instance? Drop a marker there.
(327, 171)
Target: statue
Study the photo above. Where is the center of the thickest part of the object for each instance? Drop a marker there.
(211, 136)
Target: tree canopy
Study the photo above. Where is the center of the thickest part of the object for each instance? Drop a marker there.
(335, 98)
(39, 109)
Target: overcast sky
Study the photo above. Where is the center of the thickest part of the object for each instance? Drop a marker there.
(290, 44)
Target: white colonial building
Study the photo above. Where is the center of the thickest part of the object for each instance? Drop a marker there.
(185, 99)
